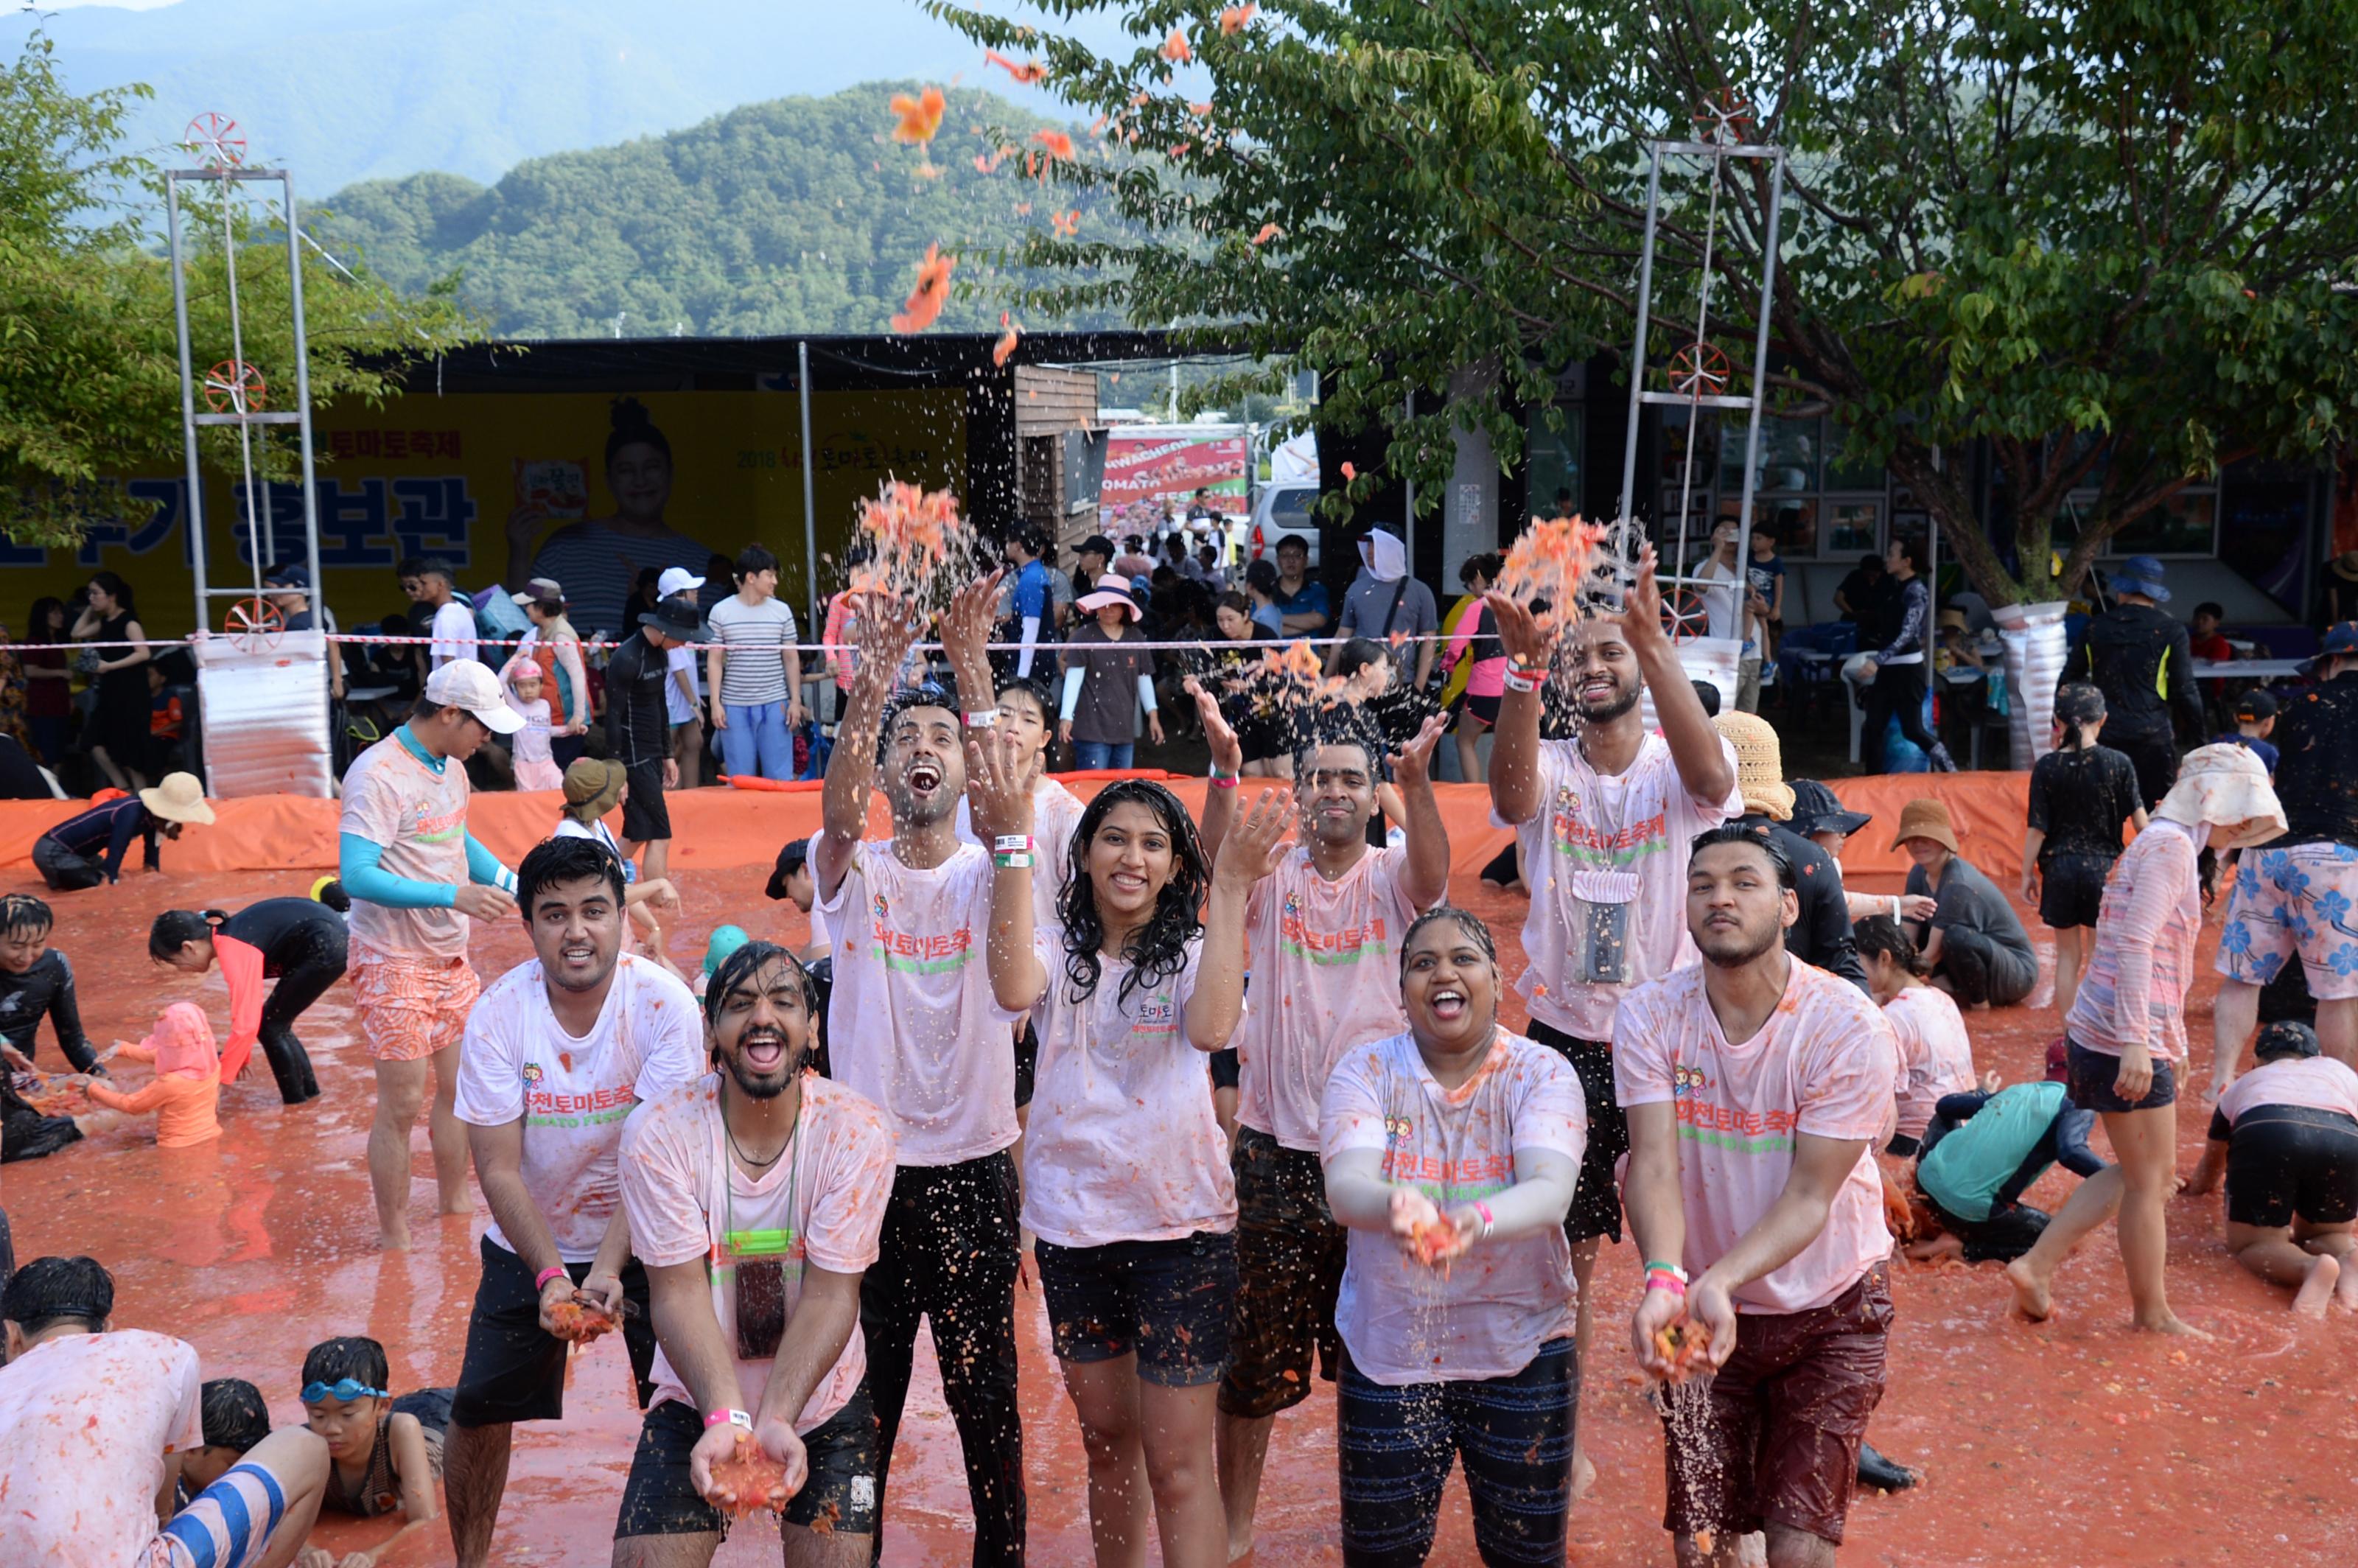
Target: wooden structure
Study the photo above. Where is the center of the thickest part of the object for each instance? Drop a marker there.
(1060, 453)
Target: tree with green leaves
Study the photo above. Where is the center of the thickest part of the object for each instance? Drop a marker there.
(89, 383)
(2114, 241)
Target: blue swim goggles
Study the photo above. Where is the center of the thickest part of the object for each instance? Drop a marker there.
(346, 1389)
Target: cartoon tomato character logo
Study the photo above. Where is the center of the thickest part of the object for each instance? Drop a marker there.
(533, 1073)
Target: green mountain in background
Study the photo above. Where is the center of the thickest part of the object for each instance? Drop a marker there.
(799, 214)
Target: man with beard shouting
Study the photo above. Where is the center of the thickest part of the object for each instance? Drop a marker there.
(556, 1053)
(914, 1026)
(1605, 820)
(755, 1194)
(1755, 1086)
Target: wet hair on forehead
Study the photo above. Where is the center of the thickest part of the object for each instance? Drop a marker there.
(354, 1356)
(1159, 947)
(1341, 726)
(1468, 921)
(1880, 933)
(566, 859)
(23, 917)
(59, 1290)
(1751, 839)
(907, 702)
(738, 969)
(236, 1416)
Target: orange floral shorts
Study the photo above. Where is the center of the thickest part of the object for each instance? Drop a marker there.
(410, 1008)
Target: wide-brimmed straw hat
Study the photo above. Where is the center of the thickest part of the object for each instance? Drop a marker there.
(2224, 786)
(1927, 820)
(593, 785)
(177, 798)
(1760, 764)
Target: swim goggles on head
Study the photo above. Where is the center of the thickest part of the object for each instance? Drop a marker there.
(341, 1388)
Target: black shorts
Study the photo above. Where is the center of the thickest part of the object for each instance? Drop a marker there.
(1263, 738)
(1225, 1069)
(1597, 1202)
(1485, 709)
(2092, 1074)
(2071, 889)
(1027, 1064)
(2287, 1163)
(658, 1499)
(1166, 1302)
(646, 814)
(514, 1370)
(1290, 1257)
(26, 1134)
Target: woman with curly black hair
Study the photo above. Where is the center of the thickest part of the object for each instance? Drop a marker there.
(1126, 1179)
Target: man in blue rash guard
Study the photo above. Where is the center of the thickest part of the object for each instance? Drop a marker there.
(416, 876)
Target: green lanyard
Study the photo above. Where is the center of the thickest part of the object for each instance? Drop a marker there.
(777, 1242)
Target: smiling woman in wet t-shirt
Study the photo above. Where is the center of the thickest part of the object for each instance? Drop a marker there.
(1451, 1152)
(1125, 1170)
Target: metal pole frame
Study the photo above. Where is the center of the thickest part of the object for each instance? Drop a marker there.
(191, 421)
(1695, 403)
(810, 490)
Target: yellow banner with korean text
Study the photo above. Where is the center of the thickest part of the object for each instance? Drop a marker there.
(505, 486)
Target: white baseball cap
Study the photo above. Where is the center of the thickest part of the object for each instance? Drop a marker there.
(469, 684)
(675, 579)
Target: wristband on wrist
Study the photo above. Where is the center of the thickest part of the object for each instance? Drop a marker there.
(1666, 1283)
(1672, 1269)
(553, 1272)
(985, 719)
(1012, 843)
(1217, 776)
(738, 1418)
(1895, 906)
(1488, 1219)
(1219, 783)
(1015, 861)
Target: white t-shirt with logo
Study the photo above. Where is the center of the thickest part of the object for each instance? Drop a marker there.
(85, 1422)
(574, 1094)
(1638, 823)
(1324, 959)
(1824, 1064)
(831, 1195)
(1056, 815)
(1502, 1302)
(913, 1023)
(1124, 1143)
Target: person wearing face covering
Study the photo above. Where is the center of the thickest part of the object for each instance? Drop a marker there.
(1384, 600)
(187, 1081)
(2125, 1035)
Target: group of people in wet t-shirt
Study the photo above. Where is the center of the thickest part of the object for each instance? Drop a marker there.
(1028, 999)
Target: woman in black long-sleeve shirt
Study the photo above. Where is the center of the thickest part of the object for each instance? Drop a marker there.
(1898, 692)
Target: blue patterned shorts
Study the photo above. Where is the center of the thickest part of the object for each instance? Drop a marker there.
(2298, 900)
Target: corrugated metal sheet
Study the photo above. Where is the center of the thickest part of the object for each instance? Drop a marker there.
(2037, 643)
(266, 717)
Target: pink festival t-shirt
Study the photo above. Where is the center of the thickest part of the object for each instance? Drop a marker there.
(575, 1093)
(1124, 1143)
(1638, 823)
(1936, 1056)
(85, 1422)
(911, 1024)
(831, 1195)
(2320, 1083)
(1496, 1305)
(1325, 961)
(1824, 1064)
(419, 817)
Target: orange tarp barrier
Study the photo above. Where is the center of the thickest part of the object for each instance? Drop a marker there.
(718, 827)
